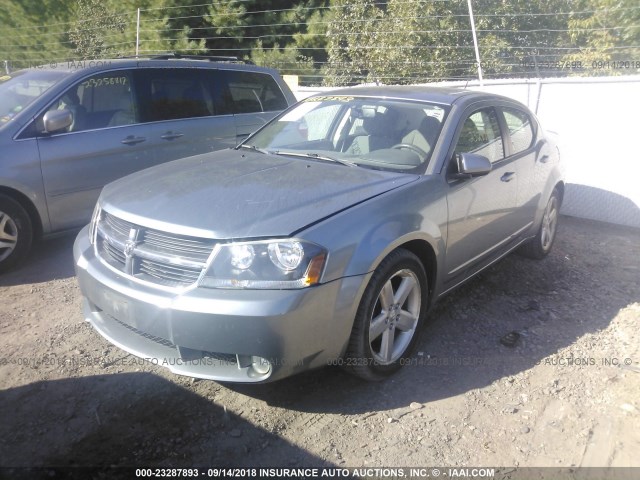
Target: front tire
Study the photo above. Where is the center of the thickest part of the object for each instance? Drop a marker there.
(540, 246)
(389, 317)
(16, 233)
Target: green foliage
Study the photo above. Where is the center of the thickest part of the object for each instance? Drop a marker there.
(287, 61)
(335, 42)
(95, 21)
(313, 42)
(227, 21)
(425, 41)
(589, 29)
(351, 41)
(27, 38)
(428, 40)
(523, 30)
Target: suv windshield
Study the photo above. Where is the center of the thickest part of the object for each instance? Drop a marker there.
(370, 132)
(19, 90)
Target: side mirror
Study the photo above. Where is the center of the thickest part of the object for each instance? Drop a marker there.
(471, 165)
(56, 120)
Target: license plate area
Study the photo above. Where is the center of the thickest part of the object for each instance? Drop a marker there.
(117, 306)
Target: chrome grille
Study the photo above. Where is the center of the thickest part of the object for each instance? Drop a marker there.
(187, 248)
(155, 256)
(167, 272)
(116, 224)
(115, 255)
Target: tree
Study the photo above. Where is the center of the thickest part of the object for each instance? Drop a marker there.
(351, 38)
(517, 35)
(287, 61)
(605, 33)
(312, 41)
(33, 32)
(425, 41)
(344, 41)
(228, 24)
(95, 21)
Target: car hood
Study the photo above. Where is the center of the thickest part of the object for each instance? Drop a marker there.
(237, 194)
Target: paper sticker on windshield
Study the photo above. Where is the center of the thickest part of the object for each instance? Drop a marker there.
(328, 98)
(435, 112)
(4, 78)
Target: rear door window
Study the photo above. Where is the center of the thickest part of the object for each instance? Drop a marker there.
(174, 93)
(520, 129)
(251, 92)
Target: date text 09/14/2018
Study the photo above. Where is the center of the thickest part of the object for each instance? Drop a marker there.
(579, 65)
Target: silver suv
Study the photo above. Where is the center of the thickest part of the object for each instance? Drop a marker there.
(69, 129)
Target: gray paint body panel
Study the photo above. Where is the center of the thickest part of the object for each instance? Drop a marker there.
(235, 194)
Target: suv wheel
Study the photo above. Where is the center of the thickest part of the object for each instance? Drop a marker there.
(389, 317)
(16, 233)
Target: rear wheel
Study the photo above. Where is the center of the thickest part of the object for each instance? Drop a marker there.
(540, 246)
(16, 233)
(389, 317)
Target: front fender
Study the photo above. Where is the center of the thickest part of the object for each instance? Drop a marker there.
(360, 237)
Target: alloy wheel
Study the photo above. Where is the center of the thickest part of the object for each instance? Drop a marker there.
(395, 317)
(8, 235)
(549, 223)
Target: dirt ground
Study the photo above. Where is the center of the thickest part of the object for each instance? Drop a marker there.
(567, 394)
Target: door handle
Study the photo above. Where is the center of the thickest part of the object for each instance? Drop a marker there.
(508, 176)
(132, 140)
(544, 159)
(171, 135)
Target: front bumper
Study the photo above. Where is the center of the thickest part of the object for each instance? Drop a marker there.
(226, 335)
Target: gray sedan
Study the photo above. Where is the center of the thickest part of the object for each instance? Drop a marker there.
(325, 238)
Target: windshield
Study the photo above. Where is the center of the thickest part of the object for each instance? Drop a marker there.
(376, 133)
(20, 89)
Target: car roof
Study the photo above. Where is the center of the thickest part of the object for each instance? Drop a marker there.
(160, 61)
(421, 93)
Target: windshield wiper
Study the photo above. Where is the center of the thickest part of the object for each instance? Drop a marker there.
(253, 147)
(316, 156)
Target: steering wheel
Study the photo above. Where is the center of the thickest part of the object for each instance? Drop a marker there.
(412, 147)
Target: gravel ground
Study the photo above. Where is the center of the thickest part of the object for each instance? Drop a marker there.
(566, 394)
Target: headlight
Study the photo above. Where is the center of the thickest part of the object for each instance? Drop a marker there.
(270, 264)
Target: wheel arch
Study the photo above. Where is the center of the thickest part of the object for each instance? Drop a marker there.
(423, 247)
(381, 352)
(552, 185)
(29, 207)
(560, 187)
(427, 256)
